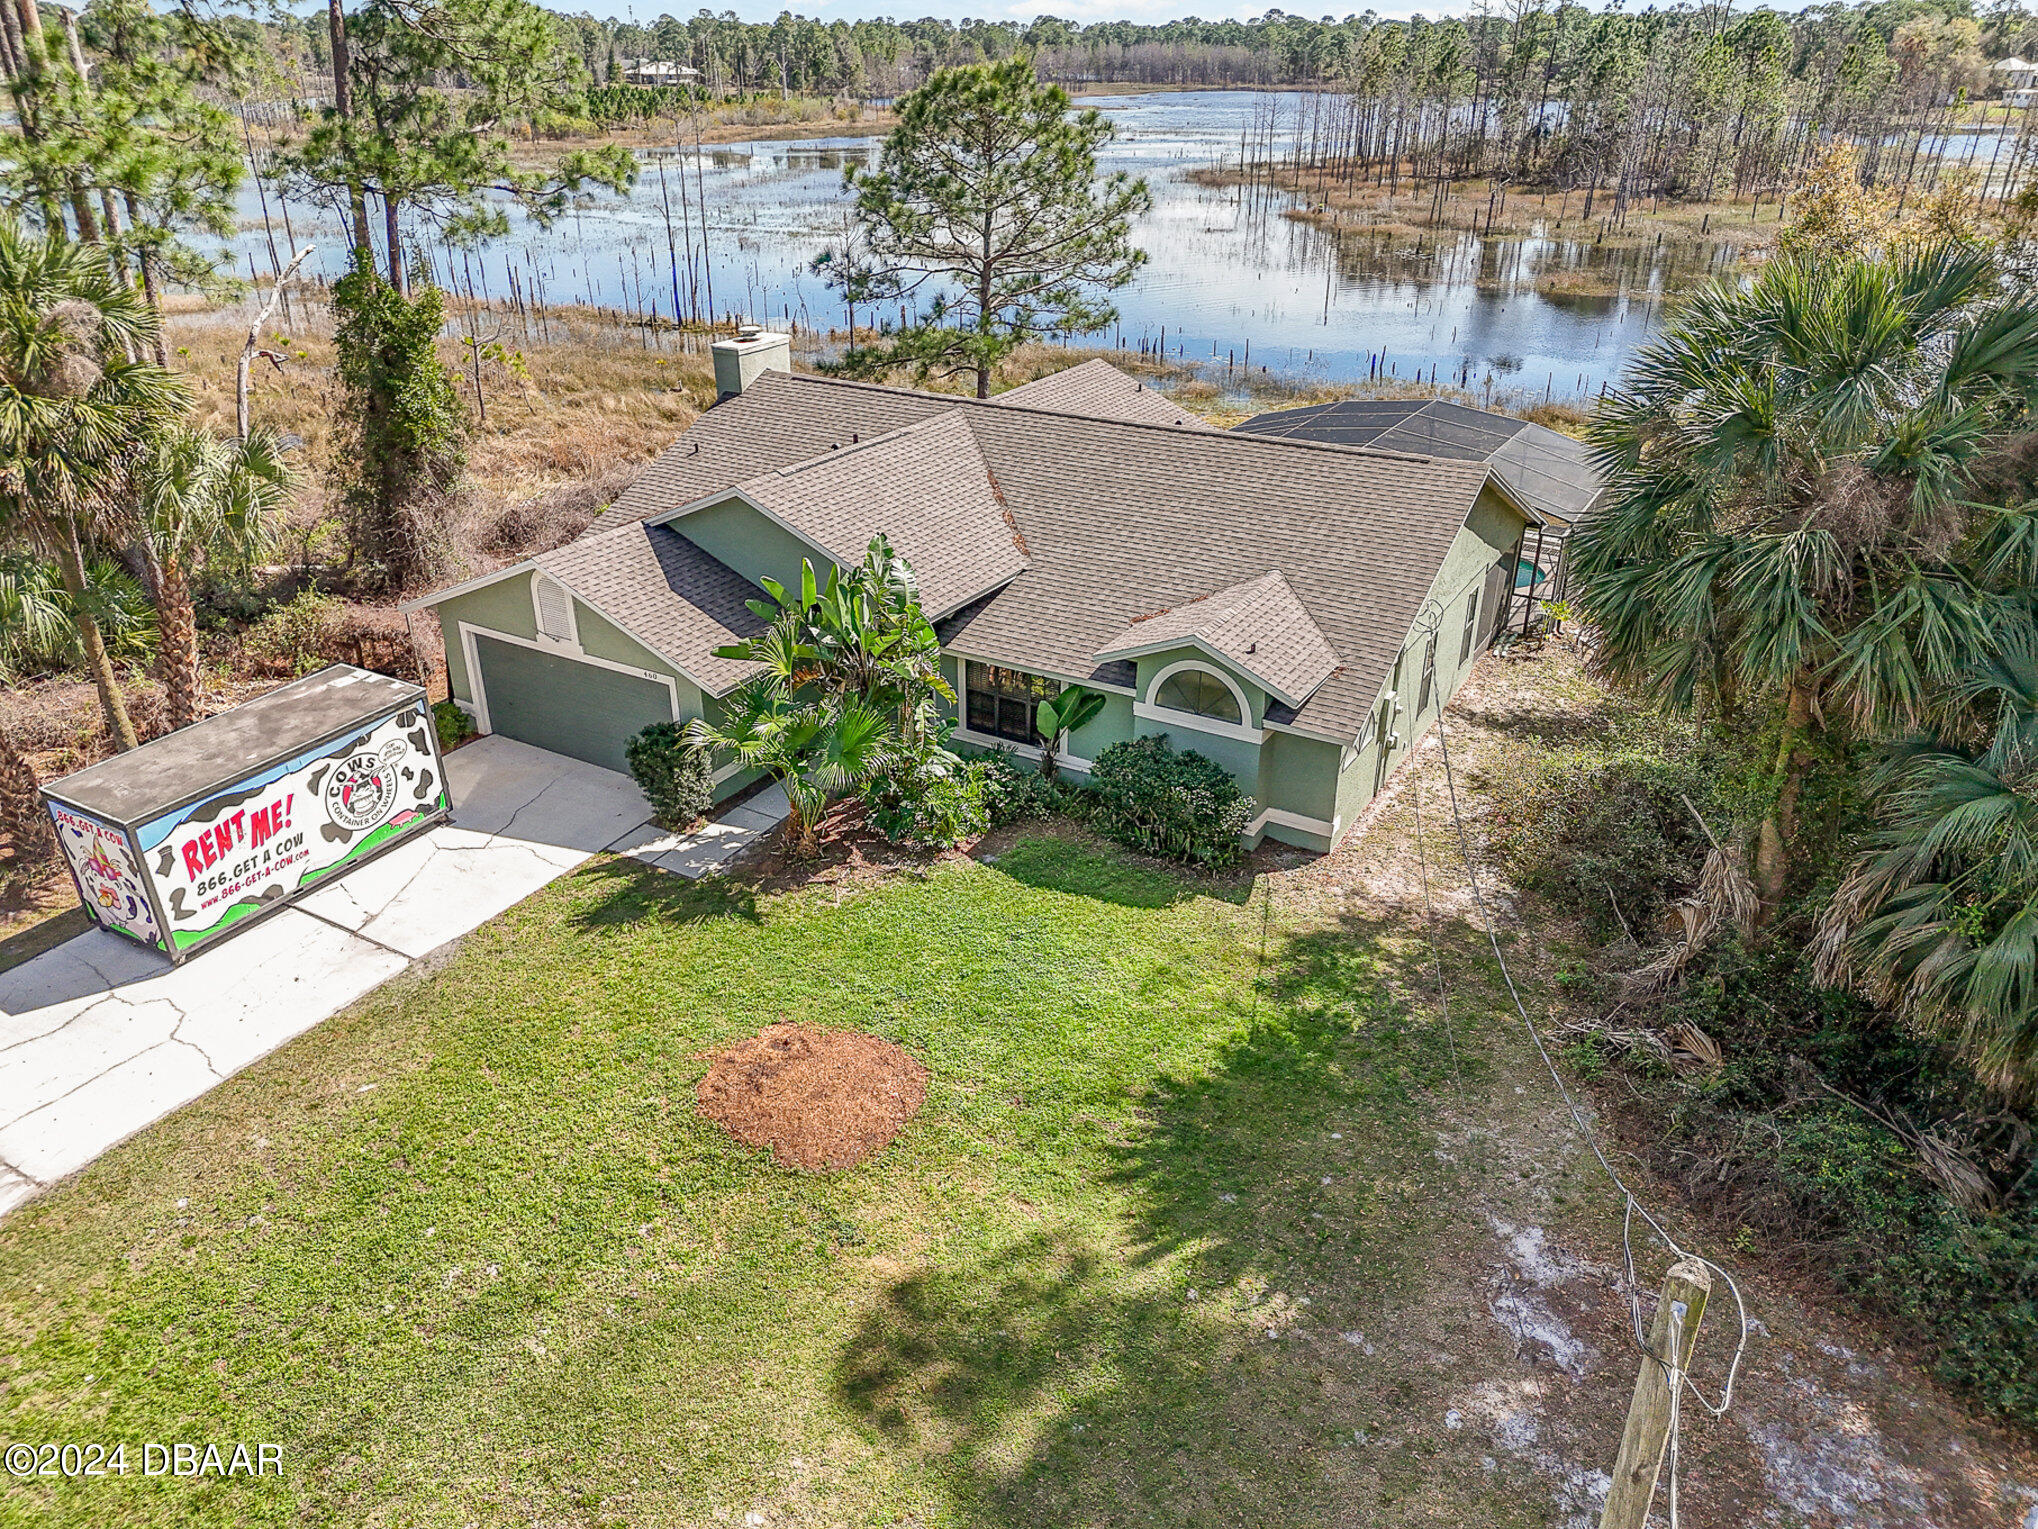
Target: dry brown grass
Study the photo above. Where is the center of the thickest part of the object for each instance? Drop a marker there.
(595, 403)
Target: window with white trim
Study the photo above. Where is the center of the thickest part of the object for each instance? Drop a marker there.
(1471, 627)
(1000, 703)
(1199, 693)
(1429, 675)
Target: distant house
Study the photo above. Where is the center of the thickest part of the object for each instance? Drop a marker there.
(1298, 612)
(2018, 79)
(658, 72)
(1551, 472)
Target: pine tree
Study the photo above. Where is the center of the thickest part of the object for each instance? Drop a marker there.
(987, 196)
(397, 134)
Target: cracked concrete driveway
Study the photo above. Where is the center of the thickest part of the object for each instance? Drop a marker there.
(100, 1037)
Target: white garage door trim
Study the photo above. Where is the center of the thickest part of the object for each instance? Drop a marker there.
(474, 677)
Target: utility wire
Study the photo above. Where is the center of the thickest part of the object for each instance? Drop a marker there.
(1634, 1206)
(1428, 620)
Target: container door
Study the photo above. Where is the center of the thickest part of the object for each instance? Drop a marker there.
(109, 881)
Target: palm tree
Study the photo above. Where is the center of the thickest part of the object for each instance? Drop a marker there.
(201, 497)
(848, 670)
(1939, 918)
(75, 417)
(1791, 529)
(861, 633)
(817, 749)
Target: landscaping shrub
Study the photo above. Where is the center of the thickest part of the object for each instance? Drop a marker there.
(1014, 791)
(293, 637)
(676, 778)
(936, 801)
(1604, 823)
(1793, 1137)
(451, 723)
(1180, 805)
(936, 810)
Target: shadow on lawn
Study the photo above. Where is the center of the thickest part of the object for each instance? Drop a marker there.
(1061, 1379)
(1061, 865)
(636, 893)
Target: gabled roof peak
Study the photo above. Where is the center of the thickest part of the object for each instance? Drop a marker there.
(925, 485)
(1258, 626)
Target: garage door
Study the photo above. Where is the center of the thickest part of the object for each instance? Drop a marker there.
(564, 705)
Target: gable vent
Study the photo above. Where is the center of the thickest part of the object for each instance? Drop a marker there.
(555, 610)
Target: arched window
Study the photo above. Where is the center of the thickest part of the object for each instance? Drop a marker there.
(1199, 693)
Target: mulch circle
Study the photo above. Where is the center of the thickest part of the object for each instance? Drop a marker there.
(817, 1098)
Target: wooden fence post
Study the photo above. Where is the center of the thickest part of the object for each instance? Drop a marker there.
(1685, 1289)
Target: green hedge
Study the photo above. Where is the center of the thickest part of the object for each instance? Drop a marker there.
(451, 723)
(677, 779)
(1179, 805)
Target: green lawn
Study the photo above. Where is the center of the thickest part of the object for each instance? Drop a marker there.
(467, 1253)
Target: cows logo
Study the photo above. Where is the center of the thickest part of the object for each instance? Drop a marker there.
(363, 789)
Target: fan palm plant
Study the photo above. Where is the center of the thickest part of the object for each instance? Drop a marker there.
(1939, 918)
(817, 748)
(35, 627)
(1791, 530)
(76, 416)
(38, 616)
(201, 498)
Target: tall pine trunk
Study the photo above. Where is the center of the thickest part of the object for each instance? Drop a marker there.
(393, 233)
(71, 564)
(343, 104)
(152, 288)
(177, 642)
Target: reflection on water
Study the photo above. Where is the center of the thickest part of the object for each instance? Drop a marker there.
(1229, 279)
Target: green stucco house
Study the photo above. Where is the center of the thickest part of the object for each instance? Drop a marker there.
(1298, 612)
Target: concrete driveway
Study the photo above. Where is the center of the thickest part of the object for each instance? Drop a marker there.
(99, 1037)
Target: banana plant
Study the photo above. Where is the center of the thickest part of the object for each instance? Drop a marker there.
(858, 634)
(1075, 707)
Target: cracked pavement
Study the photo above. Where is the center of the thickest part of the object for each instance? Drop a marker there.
(100, 1037)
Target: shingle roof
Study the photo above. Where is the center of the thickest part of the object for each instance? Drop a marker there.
(1550, 470)
(1259, 626)
(925, 486)
(1121, 519)
(664, 591)
(1100, 390)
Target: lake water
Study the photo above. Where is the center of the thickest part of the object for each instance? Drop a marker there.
(1230, 280)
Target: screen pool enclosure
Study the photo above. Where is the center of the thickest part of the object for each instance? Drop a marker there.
(199, 833)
